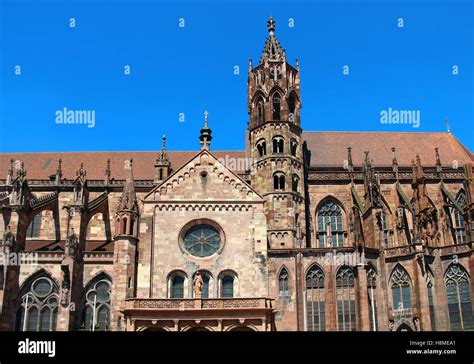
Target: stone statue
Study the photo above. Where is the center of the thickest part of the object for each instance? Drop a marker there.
(446, 226)
(391, 325)
(416, 323)
(64, 295)
(8, 241)
(427, 226)
(400, 226)
(72, 244)
(197, 285)
(65, 285)
(351, 222)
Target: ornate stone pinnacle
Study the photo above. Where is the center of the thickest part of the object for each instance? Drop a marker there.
(271, 25)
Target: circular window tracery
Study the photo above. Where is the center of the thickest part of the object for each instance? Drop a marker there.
(202, 240)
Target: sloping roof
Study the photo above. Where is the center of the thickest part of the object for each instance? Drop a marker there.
(43, 165)
(329, 149)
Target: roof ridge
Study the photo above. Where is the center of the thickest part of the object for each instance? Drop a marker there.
(372, 131)
(123, 151)
(468, 152)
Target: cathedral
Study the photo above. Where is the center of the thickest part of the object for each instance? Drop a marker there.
(301, 231)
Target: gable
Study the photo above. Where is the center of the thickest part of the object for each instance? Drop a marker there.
(204, 178)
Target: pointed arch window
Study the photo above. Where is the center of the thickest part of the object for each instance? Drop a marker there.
(272, 74)
(96, 312)
(458, 294)
(292, 105)
(260, 111)
(283, 283)
(315, 301)
(458, 221)
(34, 227)
(330, 227)
(345, 299)
(371, 288)
(276, 103)
(400, 284)
(38, 307)
(77, 191)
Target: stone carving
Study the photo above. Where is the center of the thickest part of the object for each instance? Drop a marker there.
(65, 285)
(8, 241)
(197, 285)
(241, 303)
(416, 323)
(428, 228)
(391, 325)
(72, 245)
(163, 304)
(445, 225)
(404, 233)
(351, 222)
(209, 304)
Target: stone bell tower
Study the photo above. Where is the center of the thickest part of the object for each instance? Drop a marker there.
(275, 146)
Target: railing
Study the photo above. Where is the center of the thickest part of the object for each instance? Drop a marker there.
(193, 304)
(402, 313)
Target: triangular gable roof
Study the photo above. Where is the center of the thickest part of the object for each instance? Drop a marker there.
(183, 174)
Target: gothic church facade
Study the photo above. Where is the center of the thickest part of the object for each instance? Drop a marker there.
(319, 231)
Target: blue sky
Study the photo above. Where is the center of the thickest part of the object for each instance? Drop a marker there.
(189, 70)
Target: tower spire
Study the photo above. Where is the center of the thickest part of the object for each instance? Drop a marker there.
(162, 163)
(107, 172)
(59, 173)
(350, 165)
(394, 163)
(128, 200)
(127, 214)
(274, 106)
(272, 49)
(439, 167)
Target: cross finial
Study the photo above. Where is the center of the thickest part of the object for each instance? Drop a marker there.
(271, 25)
(206, 116)
(163, 145)
(446, 121)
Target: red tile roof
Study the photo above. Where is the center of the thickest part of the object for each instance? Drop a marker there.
(328, 149)
(43, 165)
